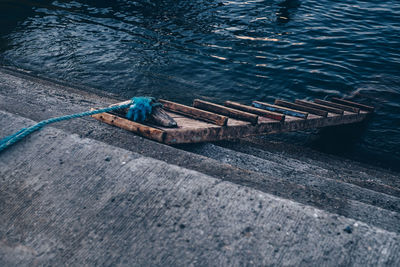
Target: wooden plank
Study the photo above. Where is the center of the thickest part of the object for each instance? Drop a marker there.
(140, 129)
(257, 111)
(319, 106)
(194, 112)
(353, 104)
(295, 106)
(286, 111)
(160, 117)
(336, 105)
(232, 113)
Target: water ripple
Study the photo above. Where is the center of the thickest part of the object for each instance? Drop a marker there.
(218, 50)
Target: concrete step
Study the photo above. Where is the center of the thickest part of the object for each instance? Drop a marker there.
(297, 172)
(323, 165)
(38, 99)
(67, 200)
(356, 172)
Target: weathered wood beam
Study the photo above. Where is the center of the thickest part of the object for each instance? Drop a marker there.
(257, 111)
(159, 117)
(230, 112)
(286, 111)
(143, 130)
(336, 105)
(353, 104)
(194, 113)
(319, 106)
(295, 106)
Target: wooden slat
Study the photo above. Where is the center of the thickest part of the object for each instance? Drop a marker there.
(319, 106)
(286, 111)
(143, 130)
(257, 111)
(336, 105)
(232, 113)
(295, 106)
(353, 104)
(194, 112)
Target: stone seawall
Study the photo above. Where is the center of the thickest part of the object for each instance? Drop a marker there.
(82, 192)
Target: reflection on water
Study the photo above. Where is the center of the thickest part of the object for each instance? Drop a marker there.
(238, 50)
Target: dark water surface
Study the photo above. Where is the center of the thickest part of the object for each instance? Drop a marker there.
(219, 50)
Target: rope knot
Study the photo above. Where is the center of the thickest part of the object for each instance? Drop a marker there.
(141, 107)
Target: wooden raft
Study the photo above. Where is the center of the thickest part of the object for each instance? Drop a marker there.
(206, 121)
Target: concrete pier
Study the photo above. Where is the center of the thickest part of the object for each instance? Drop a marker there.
(82, 192)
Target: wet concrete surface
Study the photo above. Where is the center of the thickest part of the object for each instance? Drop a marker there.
(72, 200)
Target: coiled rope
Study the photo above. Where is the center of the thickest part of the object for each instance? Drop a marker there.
(139, 108)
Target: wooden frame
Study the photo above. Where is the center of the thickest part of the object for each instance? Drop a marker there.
(193, 127)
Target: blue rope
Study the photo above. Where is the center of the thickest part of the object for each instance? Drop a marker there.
(139, 106)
